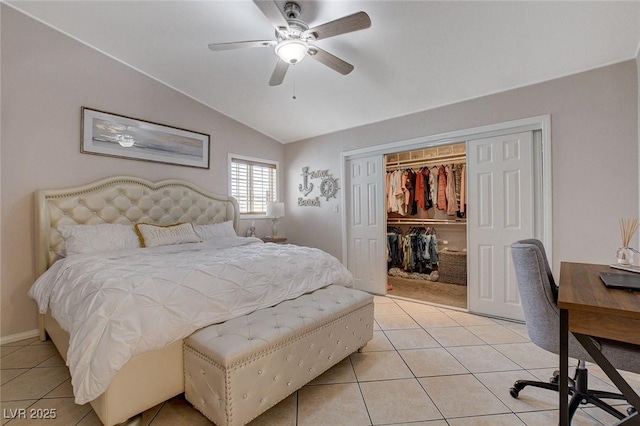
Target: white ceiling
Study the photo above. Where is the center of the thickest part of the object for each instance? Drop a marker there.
(417, 55)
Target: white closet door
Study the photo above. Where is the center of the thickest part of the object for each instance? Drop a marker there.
(366, 233)
(500, 211)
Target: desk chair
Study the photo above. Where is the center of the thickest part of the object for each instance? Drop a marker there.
(539, 295)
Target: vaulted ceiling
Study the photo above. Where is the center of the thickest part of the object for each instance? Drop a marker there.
(415, 56)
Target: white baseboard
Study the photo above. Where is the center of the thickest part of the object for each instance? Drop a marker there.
(20, 336)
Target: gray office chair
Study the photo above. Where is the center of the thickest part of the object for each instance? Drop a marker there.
(539, 295)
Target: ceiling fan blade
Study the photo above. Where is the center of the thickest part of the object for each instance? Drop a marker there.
(330, 60)
(346, 24)
(278, 73)
(273, 13)
(218, 47)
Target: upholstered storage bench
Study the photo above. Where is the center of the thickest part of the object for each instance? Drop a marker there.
(236, 370)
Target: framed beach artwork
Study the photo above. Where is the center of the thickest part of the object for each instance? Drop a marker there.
(113, 135)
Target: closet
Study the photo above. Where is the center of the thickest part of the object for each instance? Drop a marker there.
(425, 199)
(508, 177)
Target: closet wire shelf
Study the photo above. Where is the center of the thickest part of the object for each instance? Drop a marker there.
(420, 162)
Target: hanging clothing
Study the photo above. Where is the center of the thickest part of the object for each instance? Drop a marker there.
(433, 181)
(452, 205)
(442, 185)
(420, 198)
(457, 174)
(396, 196)
(400, 189)
(420, 248)
(423, 190)
(394, 247)
(408, 262)
(426, 176)
(411, 207)
(389, 191)
(405, 191)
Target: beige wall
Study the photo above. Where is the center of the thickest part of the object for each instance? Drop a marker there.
(46, 78)
(594, 118)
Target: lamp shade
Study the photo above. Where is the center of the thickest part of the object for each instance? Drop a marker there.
(275, 209)
(292, 51)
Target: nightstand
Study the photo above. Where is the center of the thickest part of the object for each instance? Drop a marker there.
(278, 240)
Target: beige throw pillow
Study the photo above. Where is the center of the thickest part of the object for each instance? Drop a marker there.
(157, 235)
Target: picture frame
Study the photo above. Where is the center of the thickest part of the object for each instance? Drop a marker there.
(113, 135)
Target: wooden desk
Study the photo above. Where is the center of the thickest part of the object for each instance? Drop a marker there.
(588, 308)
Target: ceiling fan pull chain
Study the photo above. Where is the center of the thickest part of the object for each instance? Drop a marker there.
(293, 71)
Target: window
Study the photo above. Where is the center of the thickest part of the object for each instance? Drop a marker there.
(253, 183)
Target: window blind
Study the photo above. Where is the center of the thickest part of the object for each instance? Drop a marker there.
(253, 184)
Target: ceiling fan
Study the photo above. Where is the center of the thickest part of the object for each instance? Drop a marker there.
(294, 38)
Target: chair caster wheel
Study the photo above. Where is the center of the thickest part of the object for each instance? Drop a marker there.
(514, 392)
(555, 379)
(631, 410)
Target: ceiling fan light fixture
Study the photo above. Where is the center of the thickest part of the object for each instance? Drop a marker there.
(292, 51)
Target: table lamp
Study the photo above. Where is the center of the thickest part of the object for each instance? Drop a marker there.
(275, 211)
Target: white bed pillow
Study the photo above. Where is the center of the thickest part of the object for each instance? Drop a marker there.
(215, 230)
(158, 235)
(81, 239)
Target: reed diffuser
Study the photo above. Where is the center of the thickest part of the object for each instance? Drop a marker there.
(626, 253)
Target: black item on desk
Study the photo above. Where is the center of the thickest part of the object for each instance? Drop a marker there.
(620, 281)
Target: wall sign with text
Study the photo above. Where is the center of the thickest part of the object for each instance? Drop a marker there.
(328, 187)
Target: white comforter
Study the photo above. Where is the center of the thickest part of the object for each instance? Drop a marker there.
(119, 304)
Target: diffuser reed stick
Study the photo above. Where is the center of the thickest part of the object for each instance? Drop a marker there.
(628, 228)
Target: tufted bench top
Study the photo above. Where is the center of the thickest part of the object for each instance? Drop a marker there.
(236, 340)
(236, 370)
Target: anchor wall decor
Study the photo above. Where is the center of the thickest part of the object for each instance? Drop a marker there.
(328, 187)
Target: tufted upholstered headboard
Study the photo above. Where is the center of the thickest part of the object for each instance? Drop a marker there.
(124, 200)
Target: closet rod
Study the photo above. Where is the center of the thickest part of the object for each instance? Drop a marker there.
(393, 221)
(422, 162)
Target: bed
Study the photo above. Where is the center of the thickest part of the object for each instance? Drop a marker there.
(148, 378)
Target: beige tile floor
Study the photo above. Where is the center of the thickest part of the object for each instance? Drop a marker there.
(426, 366)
